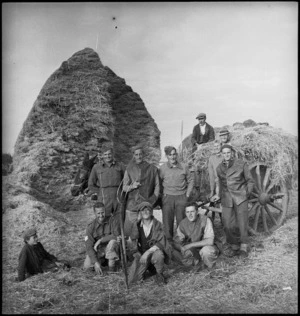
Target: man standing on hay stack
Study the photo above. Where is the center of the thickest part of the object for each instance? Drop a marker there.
(105, 179)
(141, 183)
(102, 241)
(235, 187)
(202, 132)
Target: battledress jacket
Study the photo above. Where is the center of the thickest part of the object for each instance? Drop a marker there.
(109, 229)
(199, 138)
(105, 180)
(158, 238)
(31, 260)
(147, 175)
(235, 182)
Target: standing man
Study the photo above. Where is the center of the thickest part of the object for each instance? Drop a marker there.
(202, 132)
(153, 249)
(177, 183)
(102, 240)
(235, 186)
(141, 182)
(214, 160)
(105, 179)
(195, 239)
(224, 136)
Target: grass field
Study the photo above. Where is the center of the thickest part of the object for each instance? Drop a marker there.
(265, 282)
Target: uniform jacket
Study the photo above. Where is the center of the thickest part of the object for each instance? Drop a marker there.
(31, 259)
(235, 181)
(158, 238)
(199, 138)
(147, 175)
(105, 181)
(109, 229)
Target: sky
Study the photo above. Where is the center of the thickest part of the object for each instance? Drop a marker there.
(231, 60)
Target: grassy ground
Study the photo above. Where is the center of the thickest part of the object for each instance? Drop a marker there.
(265, 282)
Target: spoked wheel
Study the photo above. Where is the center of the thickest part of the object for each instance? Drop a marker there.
(268, 203)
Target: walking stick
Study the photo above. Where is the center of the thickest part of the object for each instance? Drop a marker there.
(123, 245)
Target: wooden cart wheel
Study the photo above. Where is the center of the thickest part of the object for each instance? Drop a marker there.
(268, 204)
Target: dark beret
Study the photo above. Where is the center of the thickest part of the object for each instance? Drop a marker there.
(145, 204)
(201, 116)
(168, 149)
(134, 148)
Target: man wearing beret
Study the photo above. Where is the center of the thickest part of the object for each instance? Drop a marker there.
(153, 249)
(141, 183)
(195, 239)
(102, 240)
(202, 132)
(177, 183)
(34, 258)
(105, 179)
(235, 187)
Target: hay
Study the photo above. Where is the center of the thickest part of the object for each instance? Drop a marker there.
(271, 146)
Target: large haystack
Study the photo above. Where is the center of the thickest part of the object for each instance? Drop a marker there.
(81, 106)
(261, 143)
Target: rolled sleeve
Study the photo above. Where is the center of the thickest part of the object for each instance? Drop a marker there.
(190, 181)
(208, 231)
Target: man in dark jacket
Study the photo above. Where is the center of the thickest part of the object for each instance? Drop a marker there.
(235, 187)
(153, 249)
(102, 240)
(202, 132)
(34, 258)
(105, 179)
(141, 183)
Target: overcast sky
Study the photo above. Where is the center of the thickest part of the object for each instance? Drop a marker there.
(233, 61)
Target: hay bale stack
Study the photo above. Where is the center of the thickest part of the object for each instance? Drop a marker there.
(271, 146)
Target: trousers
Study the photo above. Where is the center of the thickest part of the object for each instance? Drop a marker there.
(208, 254)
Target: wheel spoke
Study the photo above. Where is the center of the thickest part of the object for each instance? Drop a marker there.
(253, 200)
(266, 179)
(258, 177)
(270, 214)
(275, 206)
(264, 219)
(271, 185)
(253, 207)
(256, 218)
(254, 194)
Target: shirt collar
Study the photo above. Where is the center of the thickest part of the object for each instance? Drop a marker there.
(112, 164)
(151, 224)
(178, 165)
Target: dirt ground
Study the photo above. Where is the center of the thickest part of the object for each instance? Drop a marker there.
(265, 282)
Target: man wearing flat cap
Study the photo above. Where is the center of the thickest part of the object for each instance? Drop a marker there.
(153, 249)
(235, 187)
(202, 132)
(224, 136)
(34, 259)
(105, 179)
(141, 183)
(177, 182)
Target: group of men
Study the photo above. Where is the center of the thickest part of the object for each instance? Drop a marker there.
(150, 243)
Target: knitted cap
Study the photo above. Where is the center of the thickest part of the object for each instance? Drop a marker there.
(136, 147)
(29, 232)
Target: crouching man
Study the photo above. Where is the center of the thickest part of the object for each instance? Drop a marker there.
(102, 241)
(195, 239)
(153, 249)
(34, 259)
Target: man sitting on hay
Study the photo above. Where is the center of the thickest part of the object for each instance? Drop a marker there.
(235, 187)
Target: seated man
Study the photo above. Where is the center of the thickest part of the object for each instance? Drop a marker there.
(34, 258)
(102, 240)
(195, 239)
(152, 245)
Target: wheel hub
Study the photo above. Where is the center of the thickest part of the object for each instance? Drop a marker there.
(264, 198)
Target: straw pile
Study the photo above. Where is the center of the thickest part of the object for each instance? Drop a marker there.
(271, 146)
